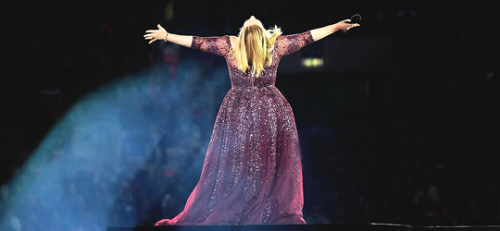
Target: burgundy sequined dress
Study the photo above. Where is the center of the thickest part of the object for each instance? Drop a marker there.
(252, 172)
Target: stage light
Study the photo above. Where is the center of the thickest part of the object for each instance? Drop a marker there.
(312, 62)
(312, 56)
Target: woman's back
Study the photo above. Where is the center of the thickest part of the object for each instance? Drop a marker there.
(222, 46)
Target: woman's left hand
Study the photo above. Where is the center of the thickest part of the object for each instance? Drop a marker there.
(153, 35)
(344, 25)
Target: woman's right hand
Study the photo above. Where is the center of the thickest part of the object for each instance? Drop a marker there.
(344, 25)
(154, 35)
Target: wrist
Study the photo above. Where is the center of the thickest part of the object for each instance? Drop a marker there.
(334, 28)
(166, 37)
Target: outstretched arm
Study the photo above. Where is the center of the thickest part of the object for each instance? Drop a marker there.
(214, 45)
(322, 32)
(161, 34)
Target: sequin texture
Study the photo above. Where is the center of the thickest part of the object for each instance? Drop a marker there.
(252, 172)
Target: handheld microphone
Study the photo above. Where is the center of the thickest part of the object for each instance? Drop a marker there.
(355, 19)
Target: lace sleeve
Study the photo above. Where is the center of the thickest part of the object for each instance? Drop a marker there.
(214, 45)
(291, 43)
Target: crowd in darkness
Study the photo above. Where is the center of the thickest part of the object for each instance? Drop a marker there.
(418, 150)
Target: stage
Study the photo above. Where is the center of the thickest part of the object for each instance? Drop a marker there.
(336, 227)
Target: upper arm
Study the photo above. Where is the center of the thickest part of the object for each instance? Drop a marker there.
(214, 45)
(288, 44)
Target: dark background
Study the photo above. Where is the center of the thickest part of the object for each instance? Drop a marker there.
(414, 143)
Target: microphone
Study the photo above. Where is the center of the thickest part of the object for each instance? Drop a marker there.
(355, 19)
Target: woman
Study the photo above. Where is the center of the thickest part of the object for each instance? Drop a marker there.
(252, 172)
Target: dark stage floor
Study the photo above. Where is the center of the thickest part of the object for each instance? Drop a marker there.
(367, 227)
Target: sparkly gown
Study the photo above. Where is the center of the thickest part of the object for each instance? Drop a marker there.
(252, 172)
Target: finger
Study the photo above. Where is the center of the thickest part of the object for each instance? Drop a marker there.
(159, 27)
(347, 20)
(151, 31)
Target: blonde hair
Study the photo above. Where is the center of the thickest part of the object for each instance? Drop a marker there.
(254, 48)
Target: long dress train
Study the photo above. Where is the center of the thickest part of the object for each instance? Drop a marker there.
(252, 172)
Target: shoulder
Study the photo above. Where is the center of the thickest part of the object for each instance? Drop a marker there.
(281, 38)
(233, 40)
